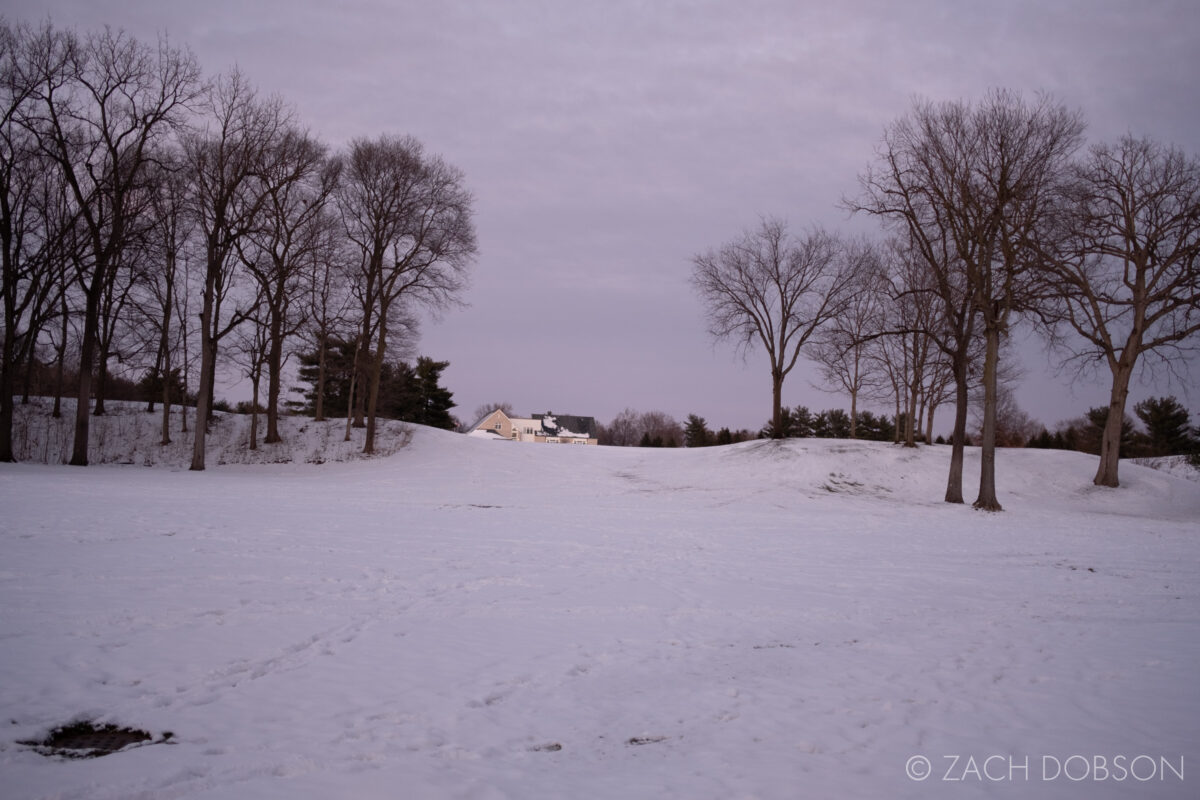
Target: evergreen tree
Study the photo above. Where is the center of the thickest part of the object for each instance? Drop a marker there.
(433, 401)
(1088, 437)
(412, 394)
(839, 423)
(802, 422)
(1167, 426)
(874, 428)
(696, 432)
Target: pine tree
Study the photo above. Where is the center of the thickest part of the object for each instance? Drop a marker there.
(434, 401)
(696, 432)
(1167, 426)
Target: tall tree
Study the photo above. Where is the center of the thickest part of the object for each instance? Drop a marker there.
(972, 187)
(226, 159)
(1129, 284)
(841, 349)
(281, 250)
(172, 227)
(769, 288)
(328, 300)
(98, 107)
(410, 216)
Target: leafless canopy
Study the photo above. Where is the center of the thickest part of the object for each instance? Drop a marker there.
(767, 287)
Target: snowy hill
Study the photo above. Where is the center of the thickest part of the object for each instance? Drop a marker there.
(478, 619)
(128, 434)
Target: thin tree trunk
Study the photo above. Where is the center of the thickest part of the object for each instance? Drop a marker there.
(166, 406)
(101, 382)
(164, 347)
(896, 427)
(320, 406)
(987, 462)
(376, 376)
(350, 399)
(254, 413)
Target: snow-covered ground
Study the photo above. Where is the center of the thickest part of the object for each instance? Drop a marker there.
(477, 619)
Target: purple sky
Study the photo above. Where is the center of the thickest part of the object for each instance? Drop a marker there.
(607, 143)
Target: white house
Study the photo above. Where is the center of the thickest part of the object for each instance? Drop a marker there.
(547, 428)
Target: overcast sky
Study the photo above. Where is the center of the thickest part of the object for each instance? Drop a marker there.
(608, 142)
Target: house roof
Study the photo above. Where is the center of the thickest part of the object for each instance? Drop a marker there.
(480, 421)
(567, 425)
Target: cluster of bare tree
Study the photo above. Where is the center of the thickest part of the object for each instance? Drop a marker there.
(993, 216)
(632, 428)
(160, 220)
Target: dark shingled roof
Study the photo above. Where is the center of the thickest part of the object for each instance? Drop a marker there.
(568, 422)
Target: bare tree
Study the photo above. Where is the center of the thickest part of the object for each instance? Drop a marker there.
(226, 161)
(841, 349)
(172, 228)
(298, 181)
(409, 215)
(328, 303)
(1129, 283)
(30, 231)
(971, 186)
(97, 107)
(768, 288)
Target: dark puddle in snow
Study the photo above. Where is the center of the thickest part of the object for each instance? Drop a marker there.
(89, 740)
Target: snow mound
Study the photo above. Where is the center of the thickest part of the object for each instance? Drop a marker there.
(467, 620)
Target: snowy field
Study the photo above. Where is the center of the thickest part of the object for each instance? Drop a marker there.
(477, 619)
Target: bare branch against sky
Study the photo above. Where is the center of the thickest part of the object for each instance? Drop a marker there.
(605, 143)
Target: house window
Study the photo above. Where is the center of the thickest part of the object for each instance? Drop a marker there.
(497, 426)
(529, 431)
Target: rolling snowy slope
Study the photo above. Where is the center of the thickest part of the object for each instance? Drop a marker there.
(476, 619)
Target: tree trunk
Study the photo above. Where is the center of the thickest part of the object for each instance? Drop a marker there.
(6, 394)
(274, 368)
(854, 415)
(166, 407)
(319, 416)
(101, 381)
(254, 413)
(350, 399)
(164, 347)
(987, 462)
(207, 357)
(87, 352)
(958, 439)
(896, 427)
(776, 403)
(1110, 442)
(376, 376)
